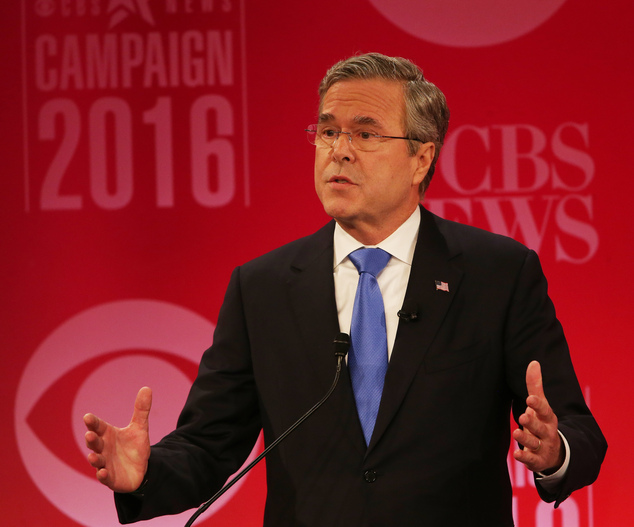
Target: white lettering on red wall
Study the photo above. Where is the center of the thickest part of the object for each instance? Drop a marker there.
(525, 182)
(135, 103)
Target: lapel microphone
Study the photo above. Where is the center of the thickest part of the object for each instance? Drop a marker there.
(409, 311)
(342, 344)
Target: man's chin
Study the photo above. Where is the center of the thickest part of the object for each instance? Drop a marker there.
(341, 214)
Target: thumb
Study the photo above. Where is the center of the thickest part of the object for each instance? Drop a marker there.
(142, 406)
(534, 383)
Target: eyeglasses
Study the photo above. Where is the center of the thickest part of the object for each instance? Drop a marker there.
(326, 137)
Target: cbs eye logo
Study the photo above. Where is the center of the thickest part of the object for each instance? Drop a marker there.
(96, 362)
(476, 23)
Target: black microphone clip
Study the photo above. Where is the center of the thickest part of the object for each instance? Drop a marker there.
(342, 344)
(409, 312)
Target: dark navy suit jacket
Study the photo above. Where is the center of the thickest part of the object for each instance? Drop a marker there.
(438, 456)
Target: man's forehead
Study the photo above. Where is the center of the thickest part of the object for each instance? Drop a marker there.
(363, 101)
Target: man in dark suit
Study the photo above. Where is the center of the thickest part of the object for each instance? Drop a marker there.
(477, 330)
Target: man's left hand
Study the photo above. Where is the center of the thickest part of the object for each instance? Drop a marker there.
(543, 449)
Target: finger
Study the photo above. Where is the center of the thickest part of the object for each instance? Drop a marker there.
(527, 457)
(102, 476)
(142, 406)
(534, 379)
(533, 451)
(96, 460)
(527, 440)
(95, 424)
(91, 421)
(539, 406)
(542, 427)
(93, 441)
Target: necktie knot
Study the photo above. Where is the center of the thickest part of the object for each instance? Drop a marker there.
(371, 261)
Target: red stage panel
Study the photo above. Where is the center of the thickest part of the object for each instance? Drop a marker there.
(150, 146)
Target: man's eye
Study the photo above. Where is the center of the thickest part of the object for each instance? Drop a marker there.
(366, 136)
(328, 133)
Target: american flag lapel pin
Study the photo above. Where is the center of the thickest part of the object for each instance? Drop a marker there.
(442, 286)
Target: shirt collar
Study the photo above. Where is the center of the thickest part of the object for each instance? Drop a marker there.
(400, 244)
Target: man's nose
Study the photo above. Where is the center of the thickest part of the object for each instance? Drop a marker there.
(342, 148)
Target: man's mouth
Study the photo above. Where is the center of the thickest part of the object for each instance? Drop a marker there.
(339, 179)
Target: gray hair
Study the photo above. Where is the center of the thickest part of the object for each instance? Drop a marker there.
(426, 111)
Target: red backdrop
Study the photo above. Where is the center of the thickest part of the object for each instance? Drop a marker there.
(150, 146)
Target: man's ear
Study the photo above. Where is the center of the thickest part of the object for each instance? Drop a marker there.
(424, 157)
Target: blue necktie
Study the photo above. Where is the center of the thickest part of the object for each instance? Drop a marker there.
(368, 353)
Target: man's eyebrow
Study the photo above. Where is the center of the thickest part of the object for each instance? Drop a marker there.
(325, 118)
(366, 120)
(358, 119)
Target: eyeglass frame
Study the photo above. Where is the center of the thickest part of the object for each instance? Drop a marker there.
(312, 129)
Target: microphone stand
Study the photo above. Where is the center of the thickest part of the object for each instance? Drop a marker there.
(342, 343)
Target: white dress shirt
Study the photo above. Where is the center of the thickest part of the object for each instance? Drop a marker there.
(392, 280)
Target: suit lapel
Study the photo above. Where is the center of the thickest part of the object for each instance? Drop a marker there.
(312, 299)
(312, 295)
(431, 263)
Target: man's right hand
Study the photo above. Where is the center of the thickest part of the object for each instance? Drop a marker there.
(121, 455)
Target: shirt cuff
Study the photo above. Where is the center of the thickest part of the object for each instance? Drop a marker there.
(551, 482)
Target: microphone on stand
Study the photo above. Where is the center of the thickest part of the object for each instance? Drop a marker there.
(342, 344)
